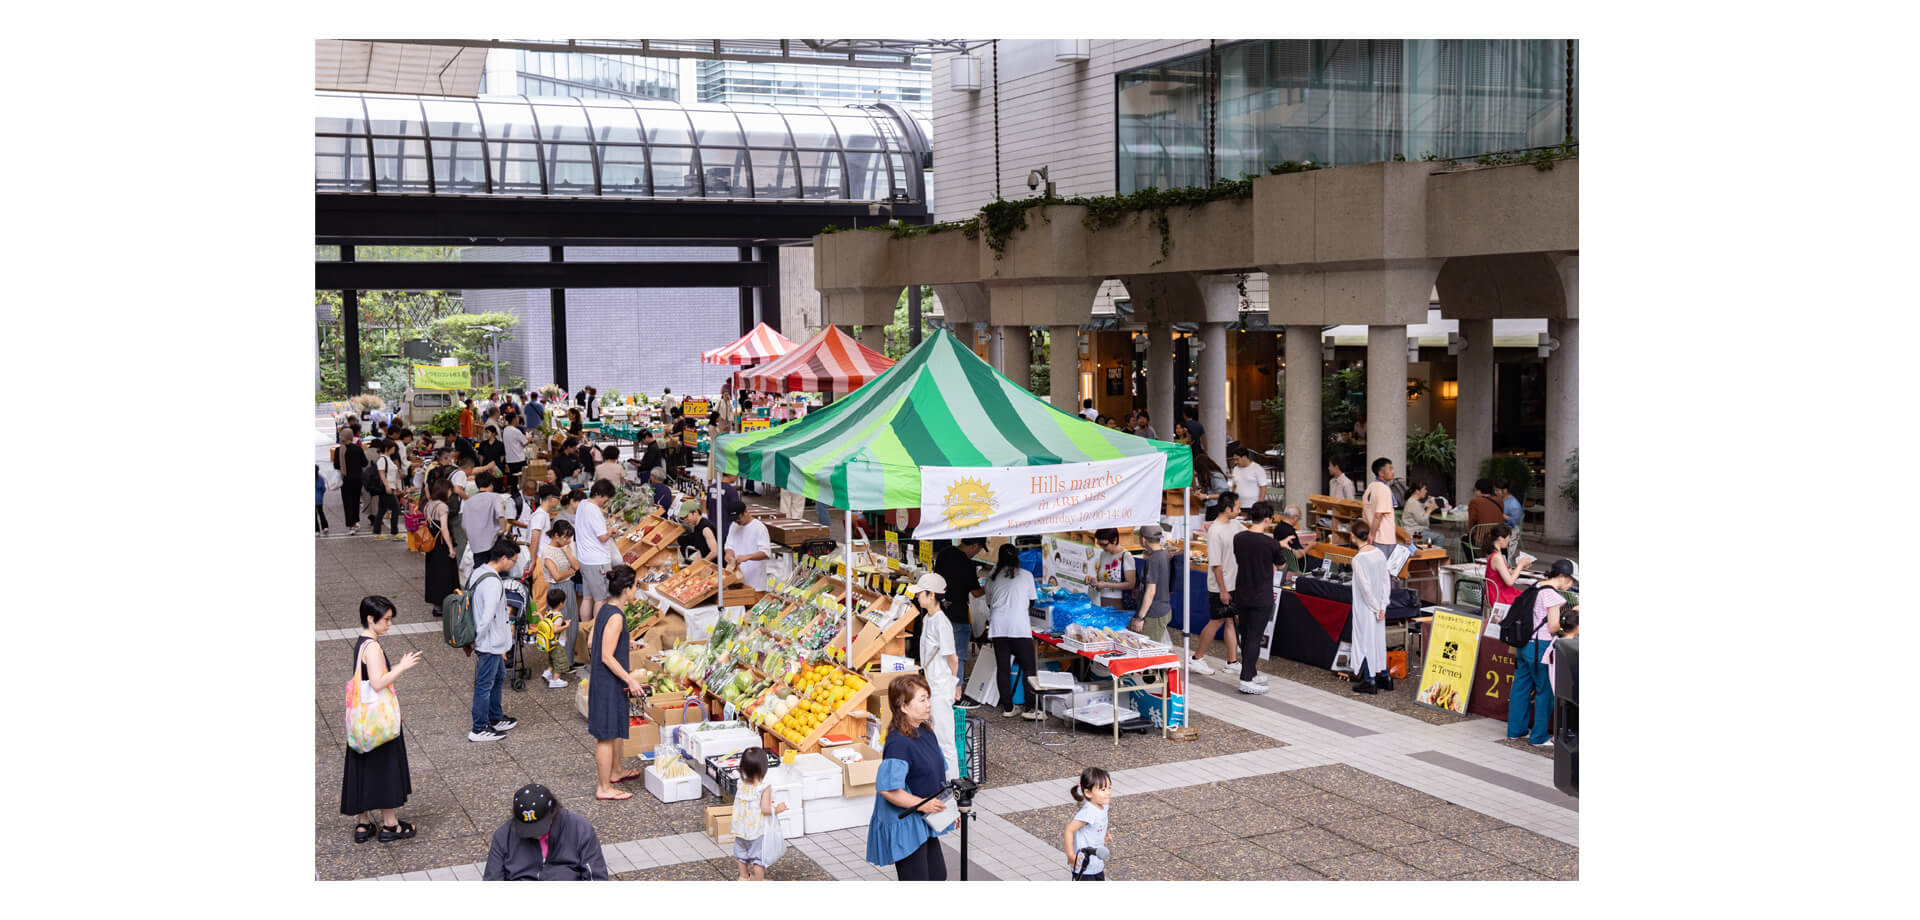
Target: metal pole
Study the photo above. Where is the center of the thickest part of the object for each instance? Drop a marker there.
(913, 316)
(849, 611)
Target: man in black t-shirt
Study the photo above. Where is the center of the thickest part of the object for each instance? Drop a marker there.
(1256, 553)
(956, 565)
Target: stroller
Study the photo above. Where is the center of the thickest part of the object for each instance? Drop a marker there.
(520, 621)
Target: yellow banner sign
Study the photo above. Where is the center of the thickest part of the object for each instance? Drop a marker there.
(693, 407)
(755, 424)
(435, 377)
(1453, 646)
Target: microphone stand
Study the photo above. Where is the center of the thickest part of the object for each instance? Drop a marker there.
(963, 790)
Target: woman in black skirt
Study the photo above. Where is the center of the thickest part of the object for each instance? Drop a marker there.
(377, 780)
(442, 563)
(610, 683)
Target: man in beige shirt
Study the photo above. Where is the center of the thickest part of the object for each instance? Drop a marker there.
(1338, 485)
(1377, 507)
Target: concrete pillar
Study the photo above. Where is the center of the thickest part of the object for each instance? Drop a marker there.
(1160, 378)
(874, 337)
(1305, 471)
(1473, 411)
(1213, 389)
(1063, 355)
(1013, 347)
(1563, 427)
(1386, 399)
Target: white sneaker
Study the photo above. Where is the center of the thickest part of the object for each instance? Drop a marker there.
(1009, 713)
(1033, 715)
(1260, 679)
(485, 734)
(546, 674)
(1246, 687)
(555, 683)
(1200, 666)
(1548, 744)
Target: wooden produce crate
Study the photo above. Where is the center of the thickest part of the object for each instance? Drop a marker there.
(871, 641)
(643, 544)
(693, 585)
(849, 718)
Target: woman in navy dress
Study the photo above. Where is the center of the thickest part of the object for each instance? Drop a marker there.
(911, 768)
(610, 683)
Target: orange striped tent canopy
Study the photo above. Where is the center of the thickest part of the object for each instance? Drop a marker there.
(831, 362)
(762, 344)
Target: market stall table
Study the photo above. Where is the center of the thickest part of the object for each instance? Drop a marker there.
(1316, 615)
(1122, 667)
(1422, 568)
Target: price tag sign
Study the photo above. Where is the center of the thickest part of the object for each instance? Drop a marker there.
(755, 424)
(926, 554)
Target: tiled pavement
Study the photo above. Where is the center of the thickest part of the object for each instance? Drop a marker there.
(1301, 783)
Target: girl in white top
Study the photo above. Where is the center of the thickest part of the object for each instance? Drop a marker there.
(1088, 829)
(940, 663)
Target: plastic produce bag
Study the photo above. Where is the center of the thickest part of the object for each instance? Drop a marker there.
(773, 844)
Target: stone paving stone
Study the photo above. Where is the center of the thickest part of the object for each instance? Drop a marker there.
(423, 853)
(1368, 866)
(1451, 820)
(1306, 844)
(1232, 860)
(1271, 788)
(1444, 858)
(1380, 832)
(1295, 873)
(1174, 834)
(1324, 808)
(698, 871)
(1507, 873)
(1253, 822)
(1517, 845)
(1562, 867)
(1204, 796)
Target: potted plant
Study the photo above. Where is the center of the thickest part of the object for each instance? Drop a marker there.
(1430, 459)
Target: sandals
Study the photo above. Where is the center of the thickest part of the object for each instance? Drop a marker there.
(402, 831)
(363, 832)
(630, 777)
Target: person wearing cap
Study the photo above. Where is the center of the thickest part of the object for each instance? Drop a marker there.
(1530, 704)
(956, 565)
(940, 662)
(543, 842)
(1156, 605)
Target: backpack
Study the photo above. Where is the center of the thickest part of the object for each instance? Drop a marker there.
(372, 480)
(1517, 629)
(456, 615)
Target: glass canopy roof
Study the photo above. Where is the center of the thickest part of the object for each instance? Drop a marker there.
(376, 143)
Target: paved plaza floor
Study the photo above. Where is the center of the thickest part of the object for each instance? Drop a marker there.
(1306, 782)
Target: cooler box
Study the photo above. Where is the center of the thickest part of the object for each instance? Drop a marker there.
(702, 745)
(819, 776)
(837, 813)
(681, 789)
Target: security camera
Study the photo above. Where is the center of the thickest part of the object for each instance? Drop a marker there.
(1033, 179)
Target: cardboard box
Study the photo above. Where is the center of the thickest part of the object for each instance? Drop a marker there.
(667, 709)
(859, 777)
(720, 823)
(642, 737)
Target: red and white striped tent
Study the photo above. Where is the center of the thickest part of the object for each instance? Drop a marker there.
(831, 362)
(762, 344)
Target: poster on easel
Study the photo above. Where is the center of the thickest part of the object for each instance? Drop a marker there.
(1446, 678)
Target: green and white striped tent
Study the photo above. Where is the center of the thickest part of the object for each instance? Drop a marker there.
(940, 406)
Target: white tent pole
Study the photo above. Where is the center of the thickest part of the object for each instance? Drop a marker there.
(713, 488)
(1186, 591)
(849, 610)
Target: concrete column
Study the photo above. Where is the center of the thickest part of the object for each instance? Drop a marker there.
(874, 337)
(1386, 399)
(1014, 347)
(1563, 427)
(1213, 389)
(1160, 377)
(1473, 411)
(1305, 472)
(1064, 359)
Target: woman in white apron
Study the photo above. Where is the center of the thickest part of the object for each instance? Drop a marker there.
(939, 661)
(1370, 589)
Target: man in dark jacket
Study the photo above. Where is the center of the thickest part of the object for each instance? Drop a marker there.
(542, 842)
(350, 459)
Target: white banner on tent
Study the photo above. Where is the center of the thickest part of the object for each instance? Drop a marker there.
(1007, 501)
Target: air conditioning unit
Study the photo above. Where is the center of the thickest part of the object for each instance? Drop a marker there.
(1072, 49)
(963, 74)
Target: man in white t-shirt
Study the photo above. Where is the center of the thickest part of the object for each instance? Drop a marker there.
(749, 547)
(538, 519)
(516, 441)
(1338, 485)
(593, 546)
(1087, 411)
(1249, 478)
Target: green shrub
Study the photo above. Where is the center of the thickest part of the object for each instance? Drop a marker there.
(444, 423)
(1513, 469)
(1432, 449)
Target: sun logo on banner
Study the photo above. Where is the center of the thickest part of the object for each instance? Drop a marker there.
(968, 504)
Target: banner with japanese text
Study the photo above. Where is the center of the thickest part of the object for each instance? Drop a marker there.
(436, 377)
